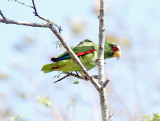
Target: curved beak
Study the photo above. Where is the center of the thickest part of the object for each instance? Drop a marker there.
(117, 54)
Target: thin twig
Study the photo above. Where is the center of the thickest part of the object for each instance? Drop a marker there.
(4, 18)
(47, 20)
(61, 78)
(8, 21)
(110, 116)
(105, 83)
(36, 13)
(76, 75)
(24, 4)
(69, 74)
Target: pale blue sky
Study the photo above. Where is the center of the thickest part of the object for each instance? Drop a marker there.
(138, 67)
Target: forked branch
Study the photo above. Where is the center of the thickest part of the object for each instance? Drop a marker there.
(4, 18)
(77, 76)
(36, 13)
(69, 74)
(51, 25)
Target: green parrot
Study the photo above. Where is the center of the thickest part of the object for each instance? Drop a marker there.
(87, 51)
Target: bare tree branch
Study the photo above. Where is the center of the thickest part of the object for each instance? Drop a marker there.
(69, 74)
(110, 116)
(69, 50)
(104, 84)
(61, 78)
(47, 20)
(36, 13)
(101, 84)
(4, 18)
(24, 4)
(8, 21)
(101, 77)
(75, 75)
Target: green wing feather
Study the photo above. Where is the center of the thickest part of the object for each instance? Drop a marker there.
(77, 50)
(83, 46)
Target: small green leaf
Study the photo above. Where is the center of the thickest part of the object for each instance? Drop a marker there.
(76, 82)
(155, 117)
(44, 100)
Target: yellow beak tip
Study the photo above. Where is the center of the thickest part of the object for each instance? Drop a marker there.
(117, 54)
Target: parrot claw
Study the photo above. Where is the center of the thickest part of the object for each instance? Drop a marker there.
(85, 78)
(96, 61)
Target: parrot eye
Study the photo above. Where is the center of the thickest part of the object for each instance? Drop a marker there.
(114, 48)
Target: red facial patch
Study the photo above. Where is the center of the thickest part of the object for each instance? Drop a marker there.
(83, 53)
(114, 48)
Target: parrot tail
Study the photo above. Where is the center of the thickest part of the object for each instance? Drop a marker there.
(50, 67)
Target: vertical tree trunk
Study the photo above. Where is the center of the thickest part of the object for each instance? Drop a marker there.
(103, 103)
(101, 77)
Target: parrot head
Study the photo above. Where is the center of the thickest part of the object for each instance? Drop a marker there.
(111, 50)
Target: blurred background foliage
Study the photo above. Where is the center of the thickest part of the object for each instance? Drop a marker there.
(26, 94)
(155, 117)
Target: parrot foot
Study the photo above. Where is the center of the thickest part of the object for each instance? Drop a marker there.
(96, 61)
(85, 78)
